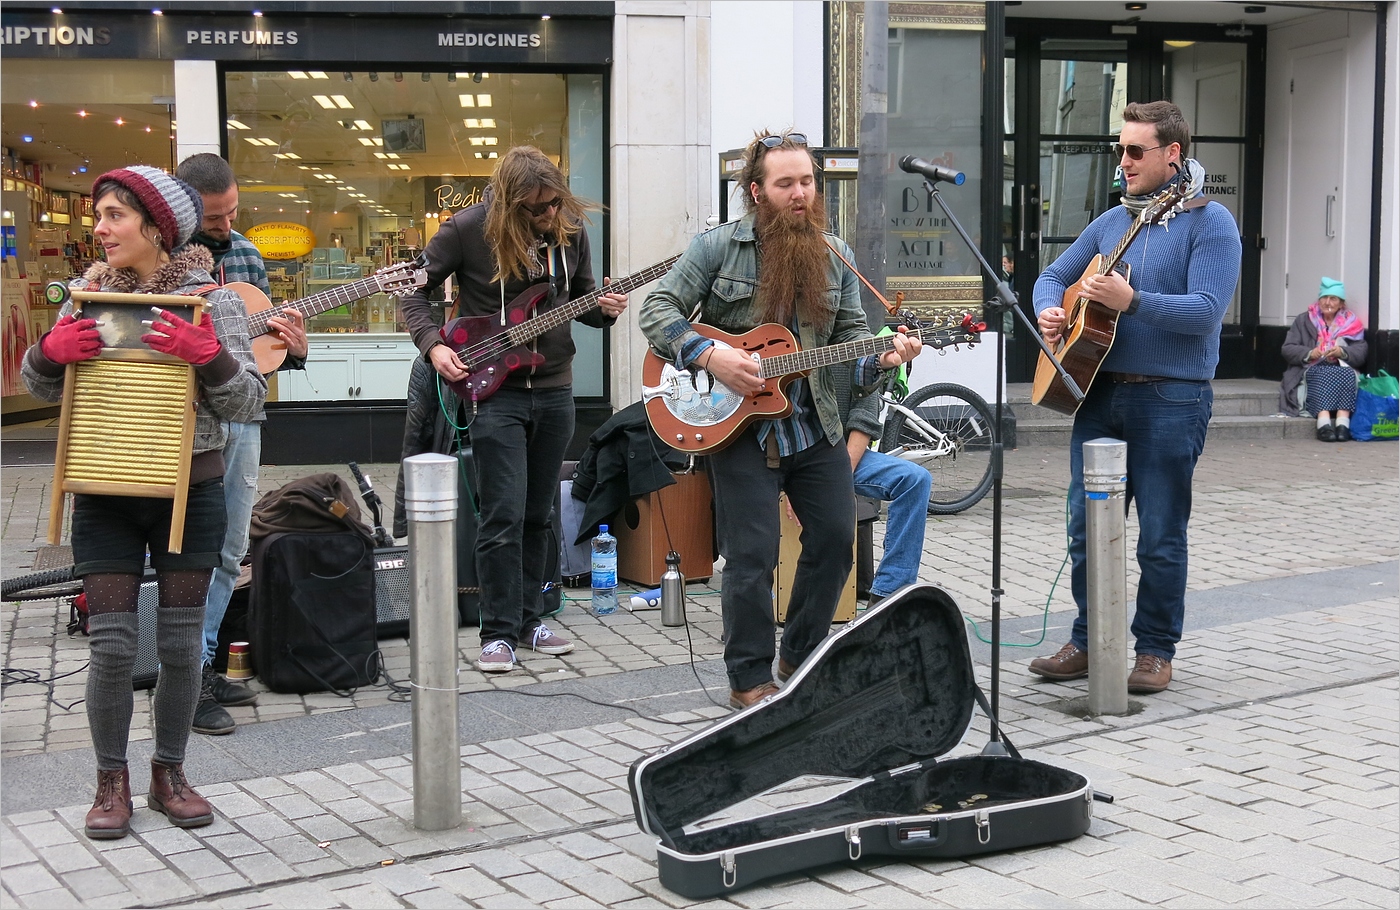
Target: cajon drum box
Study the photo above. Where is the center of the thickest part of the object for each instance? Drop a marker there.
(789, 549)
(684, 508)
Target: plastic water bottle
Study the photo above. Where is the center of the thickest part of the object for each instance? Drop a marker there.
(604, 572)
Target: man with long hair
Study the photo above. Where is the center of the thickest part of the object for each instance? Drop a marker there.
(1153, 389)
(778, 265)
(527, 229)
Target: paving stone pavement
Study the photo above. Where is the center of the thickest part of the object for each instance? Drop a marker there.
(1267, 775)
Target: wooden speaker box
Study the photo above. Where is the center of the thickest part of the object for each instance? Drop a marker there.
(641, 532)
(789, 549)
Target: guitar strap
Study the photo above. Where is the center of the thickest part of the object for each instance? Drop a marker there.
(891, 308)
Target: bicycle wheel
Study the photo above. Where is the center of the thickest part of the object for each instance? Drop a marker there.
(41, 585)
(955, 447)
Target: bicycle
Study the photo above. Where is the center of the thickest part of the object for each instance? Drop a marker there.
(946, 429)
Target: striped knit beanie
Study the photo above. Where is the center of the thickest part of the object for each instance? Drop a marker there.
(174, 206)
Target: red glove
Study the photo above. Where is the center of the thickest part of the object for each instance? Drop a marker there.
(196, 344)
(71, 340)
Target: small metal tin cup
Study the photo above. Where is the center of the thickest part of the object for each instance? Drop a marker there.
(239, 666)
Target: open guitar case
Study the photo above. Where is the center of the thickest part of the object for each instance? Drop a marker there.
(863, 726)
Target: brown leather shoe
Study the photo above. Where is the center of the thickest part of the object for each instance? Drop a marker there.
(110, 815)
(785, 670)
(1068, 663)
(1150, 674)
(739, 700)
(173, 796)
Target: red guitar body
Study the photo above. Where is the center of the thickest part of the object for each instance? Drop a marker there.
(488, 370)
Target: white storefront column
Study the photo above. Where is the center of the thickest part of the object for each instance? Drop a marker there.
(196, 108)
(660, 153)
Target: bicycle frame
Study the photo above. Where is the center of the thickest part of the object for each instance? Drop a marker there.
(939, 442)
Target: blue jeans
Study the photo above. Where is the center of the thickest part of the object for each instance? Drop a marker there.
(518, 441)
(242, 454)
(1164, 425)
(817, 481)
(905, 486)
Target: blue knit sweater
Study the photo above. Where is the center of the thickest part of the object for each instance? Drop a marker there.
(1185, 272)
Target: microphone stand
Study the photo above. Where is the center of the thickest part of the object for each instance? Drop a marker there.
(1005, 301)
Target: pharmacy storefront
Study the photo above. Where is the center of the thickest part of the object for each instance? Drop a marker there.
(352, 137)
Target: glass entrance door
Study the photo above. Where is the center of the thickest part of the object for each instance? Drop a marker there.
(1065, 96)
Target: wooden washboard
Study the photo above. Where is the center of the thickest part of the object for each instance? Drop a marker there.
(127, 422)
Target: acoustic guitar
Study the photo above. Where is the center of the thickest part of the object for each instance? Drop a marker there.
(270, 351)
(1090, 327)
(491, 353)
(694, 412)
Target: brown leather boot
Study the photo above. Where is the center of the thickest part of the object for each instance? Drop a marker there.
(741, 699)
(110, 815)
(173, 796)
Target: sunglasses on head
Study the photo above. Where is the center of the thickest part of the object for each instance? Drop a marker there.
(540, 208)
(772, 142)
(1134, 152)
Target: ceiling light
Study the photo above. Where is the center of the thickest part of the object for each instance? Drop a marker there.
(393, 154)
(251, 140)
(33, 103)
(545, 17)
(472, 123)
(27, 138)
(56, 11)
(483, 100)
(480, 155)
(324, 101)
(121, 122)
(1134, 7)
(302, 167)
(297, 74)
(342, 102)
(363, 125)
(492, 155)
(82, 113)
(232, 124)
(378, 141)
(288, 195)
(287, 155)
(317, 74)
(380, 155)
(148, 129)
(467, 100)
(257, 14)
(365, 140)
(156, 12)
(327, 176)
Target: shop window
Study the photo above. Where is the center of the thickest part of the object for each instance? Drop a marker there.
(64, 124)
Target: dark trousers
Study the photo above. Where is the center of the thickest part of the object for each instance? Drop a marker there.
(518, 441)
(819, 486)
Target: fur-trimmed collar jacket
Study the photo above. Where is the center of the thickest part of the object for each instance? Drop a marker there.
(230, 386)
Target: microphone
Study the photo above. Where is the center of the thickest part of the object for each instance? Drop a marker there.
(931, 171)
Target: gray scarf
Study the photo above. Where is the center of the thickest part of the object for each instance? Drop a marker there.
(1195, 175)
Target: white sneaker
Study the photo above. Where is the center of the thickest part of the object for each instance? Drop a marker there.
(496, 657)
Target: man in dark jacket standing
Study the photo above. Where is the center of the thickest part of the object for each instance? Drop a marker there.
(527, 231)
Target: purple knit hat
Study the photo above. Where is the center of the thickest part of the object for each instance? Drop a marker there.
(175, 207)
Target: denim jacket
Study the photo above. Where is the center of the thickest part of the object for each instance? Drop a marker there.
(718, 274)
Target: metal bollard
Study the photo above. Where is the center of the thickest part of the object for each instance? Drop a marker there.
(1105, 489)
(430, 502)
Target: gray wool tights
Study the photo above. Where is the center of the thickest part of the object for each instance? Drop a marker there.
(112, 630)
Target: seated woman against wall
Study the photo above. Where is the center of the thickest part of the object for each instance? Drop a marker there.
(1326, 345)
(144, 219)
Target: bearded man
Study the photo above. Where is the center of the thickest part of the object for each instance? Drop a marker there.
(527, 230)
(774, 265)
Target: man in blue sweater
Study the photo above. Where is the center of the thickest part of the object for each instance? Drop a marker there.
(1153, 390)
(235, 259)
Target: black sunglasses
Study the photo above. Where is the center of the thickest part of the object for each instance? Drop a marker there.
(540, 208)
(772, 142)
(1134, 152)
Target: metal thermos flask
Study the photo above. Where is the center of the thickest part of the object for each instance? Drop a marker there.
(673, 592)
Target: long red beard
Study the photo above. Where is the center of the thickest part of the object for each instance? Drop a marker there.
(793, 260)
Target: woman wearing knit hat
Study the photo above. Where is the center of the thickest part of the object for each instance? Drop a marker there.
(144, 218)
(1327, 346)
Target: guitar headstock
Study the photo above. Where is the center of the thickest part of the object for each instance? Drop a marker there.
(402, 277)
(941, 332)
(1167, 204)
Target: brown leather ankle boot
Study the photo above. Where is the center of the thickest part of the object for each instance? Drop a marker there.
(173, 796)
(110, 815)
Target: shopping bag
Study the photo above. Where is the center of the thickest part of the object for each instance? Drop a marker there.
(1382, 384)
(1375, 417)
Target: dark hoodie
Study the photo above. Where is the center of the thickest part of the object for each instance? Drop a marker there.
(459, 248)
